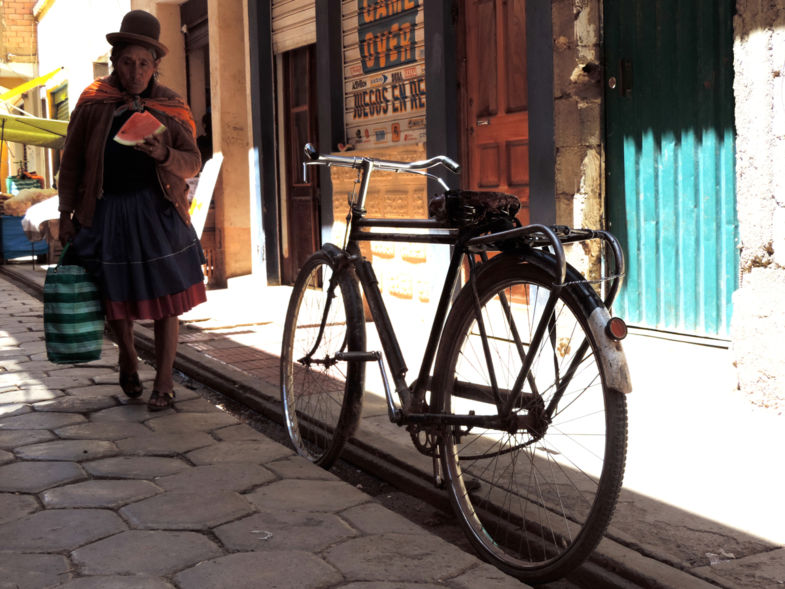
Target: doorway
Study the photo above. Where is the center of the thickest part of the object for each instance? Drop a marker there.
(494, 103)
(300, 215)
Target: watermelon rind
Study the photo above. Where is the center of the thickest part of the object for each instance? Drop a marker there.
(137, 127)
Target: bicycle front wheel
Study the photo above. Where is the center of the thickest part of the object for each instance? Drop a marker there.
(322, 395)
(536, 495)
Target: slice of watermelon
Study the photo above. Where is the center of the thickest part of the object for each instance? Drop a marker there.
(137, 127)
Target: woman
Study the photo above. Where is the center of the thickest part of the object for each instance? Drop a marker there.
(125, 209)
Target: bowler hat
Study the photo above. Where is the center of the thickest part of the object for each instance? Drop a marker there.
(139, 28)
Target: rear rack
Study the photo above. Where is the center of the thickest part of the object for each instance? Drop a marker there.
(535, 236)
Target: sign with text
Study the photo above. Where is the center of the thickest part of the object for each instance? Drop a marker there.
(384, 74)
(386, 33)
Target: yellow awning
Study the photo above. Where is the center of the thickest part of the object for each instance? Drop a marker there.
(22, 88)
(33, 131)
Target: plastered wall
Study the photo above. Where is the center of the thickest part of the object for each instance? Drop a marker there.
(229, 89)
(58, 49)
(759, 304)
(172, 68)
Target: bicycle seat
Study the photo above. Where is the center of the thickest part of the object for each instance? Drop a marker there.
(468, 207)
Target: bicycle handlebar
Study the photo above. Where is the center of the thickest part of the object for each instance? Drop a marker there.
(312, 154)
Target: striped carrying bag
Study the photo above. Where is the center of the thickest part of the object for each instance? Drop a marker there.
(73, 314)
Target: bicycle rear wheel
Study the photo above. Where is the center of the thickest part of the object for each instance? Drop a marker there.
(322, 396)
(536, 498)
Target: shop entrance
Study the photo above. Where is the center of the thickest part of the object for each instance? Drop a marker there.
(300, 218)
(494, 105)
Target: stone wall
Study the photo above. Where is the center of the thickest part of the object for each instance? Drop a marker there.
(578, 120)
(759, 305)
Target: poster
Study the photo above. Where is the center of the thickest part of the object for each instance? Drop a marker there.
(386, 33)
(385, 91)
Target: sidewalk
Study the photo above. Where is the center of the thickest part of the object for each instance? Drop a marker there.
(97, 492)
(702, 504)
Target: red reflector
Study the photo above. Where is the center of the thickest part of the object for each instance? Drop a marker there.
(616, 329)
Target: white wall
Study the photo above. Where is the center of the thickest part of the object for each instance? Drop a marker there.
(72, 34)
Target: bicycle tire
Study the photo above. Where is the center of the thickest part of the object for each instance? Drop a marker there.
(535, 508)
(322, 397)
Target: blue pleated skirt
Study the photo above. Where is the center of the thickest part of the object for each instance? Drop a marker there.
(147, 260)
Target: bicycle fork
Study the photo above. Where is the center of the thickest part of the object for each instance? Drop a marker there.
(392, 350)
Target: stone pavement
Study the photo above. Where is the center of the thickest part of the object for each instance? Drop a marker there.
(98, 492)
(702, 503)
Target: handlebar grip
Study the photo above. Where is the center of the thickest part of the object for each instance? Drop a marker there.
(452, 165)
(311, 152)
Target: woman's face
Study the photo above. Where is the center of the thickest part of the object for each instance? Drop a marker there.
(135, 66)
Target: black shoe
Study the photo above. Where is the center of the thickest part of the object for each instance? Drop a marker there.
(131, 384)
(160, 401)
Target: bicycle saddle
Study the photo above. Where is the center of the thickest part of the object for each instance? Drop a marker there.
(468, 207)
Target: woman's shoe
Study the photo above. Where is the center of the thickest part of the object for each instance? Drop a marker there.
(160, 401)
(131, 385)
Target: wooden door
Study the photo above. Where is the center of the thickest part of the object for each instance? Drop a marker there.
(670, 161)
(494, 101)
(301, 223)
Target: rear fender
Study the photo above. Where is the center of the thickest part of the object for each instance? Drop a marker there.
(611, 354)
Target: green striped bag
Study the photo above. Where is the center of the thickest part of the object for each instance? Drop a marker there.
(73, 314)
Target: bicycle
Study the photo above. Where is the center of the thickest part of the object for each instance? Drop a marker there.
(520, 397)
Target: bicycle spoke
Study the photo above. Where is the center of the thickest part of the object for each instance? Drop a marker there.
(321, 395)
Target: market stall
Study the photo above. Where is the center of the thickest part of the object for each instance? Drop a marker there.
(24, 189)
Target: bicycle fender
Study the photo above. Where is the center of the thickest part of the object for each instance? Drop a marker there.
(611, 354)
(333, 252)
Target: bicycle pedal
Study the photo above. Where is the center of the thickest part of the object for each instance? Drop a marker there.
(358, 356)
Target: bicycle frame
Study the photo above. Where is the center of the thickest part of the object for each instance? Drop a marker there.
(466, 243)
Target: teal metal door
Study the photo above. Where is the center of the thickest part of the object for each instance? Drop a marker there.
(670, 176)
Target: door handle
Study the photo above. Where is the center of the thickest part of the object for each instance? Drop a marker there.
(483, 122)
(623, 80)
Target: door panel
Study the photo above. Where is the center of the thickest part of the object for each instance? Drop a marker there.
(670, 160)
(514, 18)
(495, 118)
(302, 198)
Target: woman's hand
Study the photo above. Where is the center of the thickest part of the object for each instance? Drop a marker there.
(66, 228)
(154, 147)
